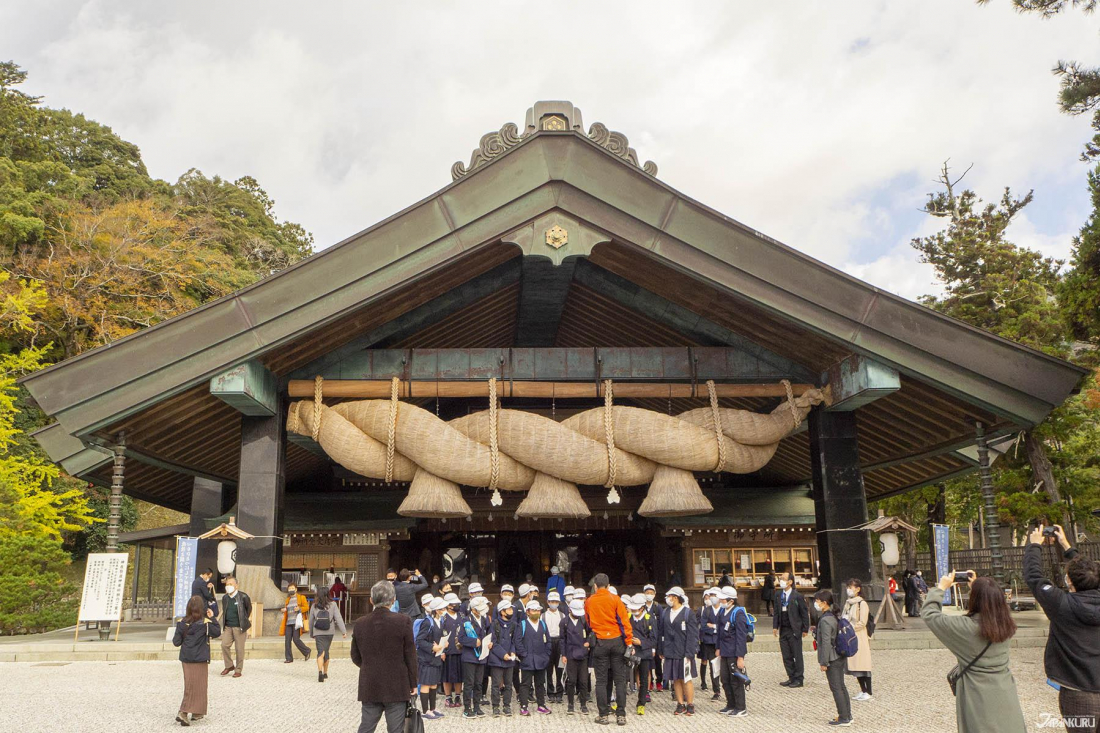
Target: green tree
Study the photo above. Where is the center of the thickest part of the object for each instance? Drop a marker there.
(1079, 292)
(34, 595)
(1008, 290)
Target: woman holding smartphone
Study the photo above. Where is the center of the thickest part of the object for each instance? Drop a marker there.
(986, 697)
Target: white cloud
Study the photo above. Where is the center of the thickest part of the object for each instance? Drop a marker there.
(821, 125)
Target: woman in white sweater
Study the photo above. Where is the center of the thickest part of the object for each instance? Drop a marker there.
(858, 612)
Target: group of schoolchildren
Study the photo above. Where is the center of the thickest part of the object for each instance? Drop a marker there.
(479, 654)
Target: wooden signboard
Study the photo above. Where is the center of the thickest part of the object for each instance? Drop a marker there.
(104, 588)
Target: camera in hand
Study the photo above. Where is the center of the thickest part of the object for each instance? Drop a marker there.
(1048, 531)
(962, 576)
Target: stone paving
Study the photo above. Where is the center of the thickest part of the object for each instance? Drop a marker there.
(137, 696)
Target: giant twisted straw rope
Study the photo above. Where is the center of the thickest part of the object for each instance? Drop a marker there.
(511, 449)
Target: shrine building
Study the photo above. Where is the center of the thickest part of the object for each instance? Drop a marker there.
(678, 396)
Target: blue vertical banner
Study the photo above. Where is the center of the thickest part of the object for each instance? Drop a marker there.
(187, 555)
(940, 540)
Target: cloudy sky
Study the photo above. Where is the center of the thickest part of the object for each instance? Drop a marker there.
(822, 125)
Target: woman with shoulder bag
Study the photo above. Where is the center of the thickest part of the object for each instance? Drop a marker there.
(324, 619)
(858, 613)
(985, 692)
(294, 622)
(193, 634)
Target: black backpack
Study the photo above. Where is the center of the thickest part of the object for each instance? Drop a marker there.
(322, 620)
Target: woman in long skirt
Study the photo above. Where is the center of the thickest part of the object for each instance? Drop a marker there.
(193, 634)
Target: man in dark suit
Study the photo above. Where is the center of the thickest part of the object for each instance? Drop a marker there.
(790, 623)
(204, 586)
(383, 649)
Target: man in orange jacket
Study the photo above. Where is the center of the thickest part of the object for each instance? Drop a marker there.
(610, 624)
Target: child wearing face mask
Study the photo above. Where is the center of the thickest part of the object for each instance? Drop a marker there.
(832, 664)
(708, 639)
(654, 609)
(553, 617)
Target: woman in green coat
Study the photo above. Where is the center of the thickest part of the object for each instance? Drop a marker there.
(986, 698)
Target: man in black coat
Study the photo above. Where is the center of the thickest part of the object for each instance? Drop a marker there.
(236, 610)
(383, 649)
(408, 588)
(204, 586)
(1072, 657)
(791, 623)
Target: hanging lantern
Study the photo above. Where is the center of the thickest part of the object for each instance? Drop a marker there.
(227, 556)
(889, 542)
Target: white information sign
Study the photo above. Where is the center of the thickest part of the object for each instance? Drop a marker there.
(104, 585)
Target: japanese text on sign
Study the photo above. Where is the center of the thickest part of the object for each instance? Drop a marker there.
(104, 584)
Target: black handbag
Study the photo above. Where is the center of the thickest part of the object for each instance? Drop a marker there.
(955, 675)
(414, 720)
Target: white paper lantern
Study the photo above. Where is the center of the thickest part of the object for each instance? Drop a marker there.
(889, 542)
(227, 556)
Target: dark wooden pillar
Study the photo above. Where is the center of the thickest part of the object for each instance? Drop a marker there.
(839, 499)
(207, 502)
(260, 487)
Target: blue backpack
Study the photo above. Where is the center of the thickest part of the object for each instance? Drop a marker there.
(416, 627)
(750, 623)
(847, 643)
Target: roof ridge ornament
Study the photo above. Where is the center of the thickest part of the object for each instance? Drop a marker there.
(551, 116)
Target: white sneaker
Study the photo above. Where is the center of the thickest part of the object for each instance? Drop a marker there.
(861, 697)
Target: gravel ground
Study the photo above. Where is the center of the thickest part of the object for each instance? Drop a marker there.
(54, 697)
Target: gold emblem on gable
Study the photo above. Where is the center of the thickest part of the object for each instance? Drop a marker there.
(553, 122)
(557, 237)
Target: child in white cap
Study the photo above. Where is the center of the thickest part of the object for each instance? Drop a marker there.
(577, 641)
(645, 643)
(678, 646)
(474, 629)
(452, 665)
(502, 657)
(429, 664)
(732, 648)
(708, 639)
(553, 619)
(533, 647)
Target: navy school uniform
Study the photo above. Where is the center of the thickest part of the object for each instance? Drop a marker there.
(679, 643)
(504, 642)
(645, 631)
(733, 632)
(501, 669)
(533, 645)
(429, 666)
(708, 635)
(472, 630)
(452, 665)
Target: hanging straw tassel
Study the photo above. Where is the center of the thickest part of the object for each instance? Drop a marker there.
(433, 497)
(674, 492)
(552, 498)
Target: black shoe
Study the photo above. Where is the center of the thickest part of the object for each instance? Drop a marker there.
(570, 711)
(725, 710)
(320, 676)
(717, 696)
(496, 712)
(679, 709)
(620, 719)
(794, 685)
(602, 720)
(690, 709)
(840, 723)
(584, 709)
(785, 683)
(478, 712)
(507, 711)
(468, 714)
(326, 675)
(308, 652)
